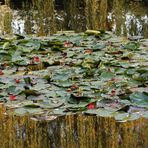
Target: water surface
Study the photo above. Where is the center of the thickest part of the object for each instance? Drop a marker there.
(123, 17)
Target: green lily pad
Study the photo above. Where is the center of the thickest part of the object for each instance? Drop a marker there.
(98, 47)
(140, 98)
(71, 71)
(23, 111)
(122, 116)
(106, 75)
(132, 46)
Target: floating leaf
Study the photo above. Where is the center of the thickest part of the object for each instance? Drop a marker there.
(92, 32)
(132, 45)
(92, 72)
(140, 98)
(106, 75)
(98, 47)
(122, 116)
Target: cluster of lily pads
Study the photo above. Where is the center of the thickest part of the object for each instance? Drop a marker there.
(94, 72)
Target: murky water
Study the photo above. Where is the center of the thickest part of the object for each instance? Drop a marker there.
(124, 17)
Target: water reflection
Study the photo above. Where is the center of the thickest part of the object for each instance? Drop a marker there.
(18, 23)
(129, 19)
(72, 131)
(44, 18)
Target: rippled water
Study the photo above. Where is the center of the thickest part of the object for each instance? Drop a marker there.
(119, 16)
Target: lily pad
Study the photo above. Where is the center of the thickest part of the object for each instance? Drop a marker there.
(139, 98)
(93, 72)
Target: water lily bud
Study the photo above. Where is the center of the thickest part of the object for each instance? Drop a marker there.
(17, 81)
(1, 72)
(113, 93)
(91, 106)
(12, 98)
(36, 59)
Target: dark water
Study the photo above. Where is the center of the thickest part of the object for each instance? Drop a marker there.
(124, 17)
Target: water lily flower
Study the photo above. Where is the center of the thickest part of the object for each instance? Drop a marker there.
(91, 106)
(88, 51)
(68, 44)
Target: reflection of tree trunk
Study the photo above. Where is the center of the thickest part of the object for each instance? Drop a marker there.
(7, 23)
(133, 28)
(75, 17)
(5, 20)
(19, 4)
(46, 17)
(28, 24)
(145, 30)
(92, 13)
(96, 14)
(103, 14)
(118, 8)
(73, 131)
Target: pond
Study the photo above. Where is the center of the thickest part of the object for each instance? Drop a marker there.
(123, 17)
(32, 61)
(75, 96)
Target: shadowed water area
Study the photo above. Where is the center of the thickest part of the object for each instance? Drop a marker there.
(123, 17)
(45, 17)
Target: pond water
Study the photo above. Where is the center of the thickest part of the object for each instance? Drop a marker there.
(72, 131)
(123, 17)
(44, 17)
